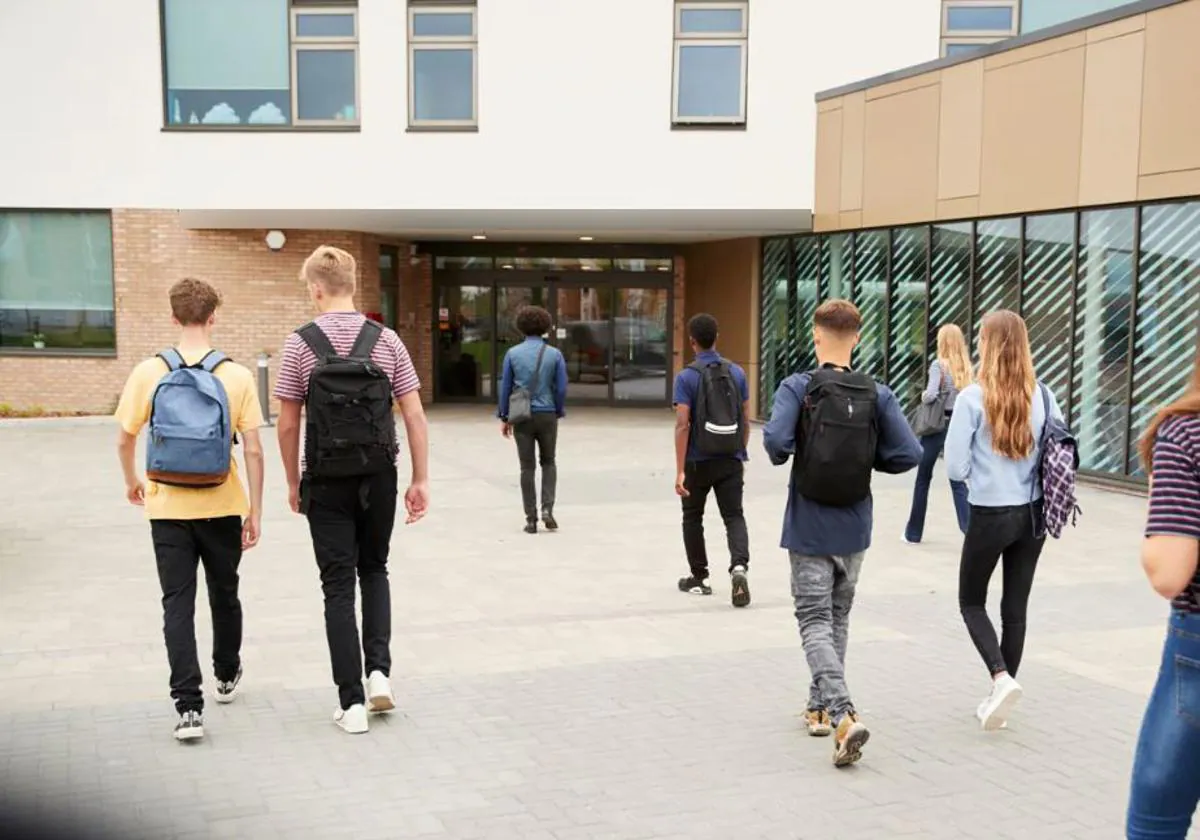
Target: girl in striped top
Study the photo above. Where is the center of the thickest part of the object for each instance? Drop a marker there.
(1166, 769)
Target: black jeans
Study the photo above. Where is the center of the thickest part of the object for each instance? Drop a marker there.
(994, 533)
(179, 546)
(725, 478)
(351, 521)
(542, 430)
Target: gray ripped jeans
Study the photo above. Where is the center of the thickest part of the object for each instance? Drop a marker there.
(823, 590)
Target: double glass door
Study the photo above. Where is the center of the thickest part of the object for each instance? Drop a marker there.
(616, 340)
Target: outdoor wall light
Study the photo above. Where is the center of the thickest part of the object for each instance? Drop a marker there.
(275, 239)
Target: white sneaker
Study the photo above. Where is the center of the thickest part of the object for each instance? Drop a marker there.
(352, 720)
(994, 712)
(379, 693)
(979, 712)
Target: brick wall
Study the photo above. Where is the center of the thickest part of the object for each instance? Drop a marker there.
(264, 300)
(679, 340)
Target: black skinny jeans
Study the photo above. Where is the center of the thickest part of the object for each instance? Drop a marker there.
(995, 533)
(351, 521)
(725, 477)
(180, 545)
(542, 432)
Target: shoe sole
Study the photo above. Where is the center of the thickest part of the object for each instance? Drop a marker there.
(226, 698)
(699, 592)
(998, 719)
(194, 733)
(819, 732)
(851, 750)
(740, 590)
(550, 525)
(380, 704)
(349, 731)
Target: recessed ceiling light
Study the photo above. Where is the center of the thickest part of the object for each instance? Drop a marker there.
(480, 236)
(586, 238)
(506, 265)
(664, 268)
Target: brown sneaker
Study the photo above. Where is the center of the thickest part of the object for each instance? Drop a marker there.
(848, 742)
(818, 723)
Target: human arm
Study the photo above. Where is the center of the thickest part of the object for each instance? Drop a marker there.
(133, 412)
(960, 437)
(1170, 549)
(684, 394)
(506, 386)
(898, 449)
(933, 385)
(779, 435)
(287, 430)
(249, 419)
(745, 393)
(135, 491)
(560, 386)
(416, 429)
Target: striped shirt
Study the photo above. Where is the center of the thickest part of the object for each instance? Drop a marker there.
(1175, 492)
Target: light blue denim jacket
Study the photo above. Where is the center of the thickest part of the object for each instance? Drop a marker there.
(549, 393)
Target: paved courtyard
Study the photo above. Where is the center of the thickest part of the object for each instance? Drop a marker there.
(557, 687)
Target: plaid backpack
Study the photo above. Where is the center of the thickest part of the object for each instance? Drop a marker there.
(1058, 462)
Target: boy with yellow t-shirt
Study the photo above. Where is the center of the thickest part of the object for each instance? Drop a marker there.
(212, 525)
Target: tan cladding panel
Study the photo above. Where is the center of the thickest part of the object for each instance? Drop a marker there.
(1097, 117)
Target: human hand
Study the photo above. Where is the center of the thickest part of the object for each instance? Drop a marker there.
(251, 529)
(135, 492)
(680, 488)
(506, 428)
(294, 497)
(416, 501)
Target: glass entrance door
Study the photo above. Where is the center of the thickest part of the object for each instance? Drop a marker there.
(641, 345)
(583, 332)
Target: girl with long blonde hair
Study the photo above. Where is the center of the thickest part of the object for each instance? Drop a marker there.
(993, 443)
(949, 373)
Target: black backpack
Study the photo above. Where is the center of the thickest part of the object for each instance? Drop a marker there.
(837, 437)
(350, 430)
(717, 422)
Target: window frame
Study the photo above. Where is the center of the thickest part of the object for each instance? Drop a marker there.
(321, 11)
(729, 38)
(331, 43)
(967, 34)
(442, 43)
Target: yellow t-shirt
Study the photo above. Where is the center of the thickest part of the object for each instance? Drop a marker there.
(164, 501)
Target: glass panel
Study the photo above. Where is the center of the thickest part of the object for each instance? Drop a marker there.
(1168, 309)
(463, 263)
(701, 21)
(556, 263)
(1104, 288)
(1046, 301)
(1039, 14)
(584, 334)
(997, 267)
(56, 280)
(227, 62)
(443, 25)
(710, 81)
(663, 265)
(961, 49)
(836, 266)
(949, 280)
(465, 341)
(389, 286)
(325, 88)
(324, 26)
(870, 294)
(906, 360)
(641, 345)
(443, 85)
(809, 252)
(979, 19)
(773, 330)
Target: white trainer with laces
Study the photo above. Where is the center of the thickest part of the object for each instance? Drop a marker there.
(379, 693)
(352, 720)
(994, 711)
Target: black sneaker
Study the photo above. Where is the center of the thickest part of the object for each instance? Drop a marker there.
(739, 587)
(549, 521)
(227, 689)
(695, 586)
(190, 727)
(531, 526)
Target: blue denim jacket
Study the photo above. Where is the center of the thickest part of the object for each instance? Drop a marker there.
(549, 393)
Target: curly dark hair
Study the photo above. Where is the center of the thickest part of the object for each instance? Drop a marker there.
(533, 320)
(703, 330)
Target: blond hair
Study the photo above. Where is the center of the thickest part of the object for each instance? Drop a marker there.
(953, 355)
(332, 269)
(1007, 379)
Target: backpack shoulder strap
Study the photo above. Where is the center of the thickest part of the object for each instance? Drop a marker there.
(1045, 412)
(212, 360)
(316, 340)
(172, 358)
(368, 336)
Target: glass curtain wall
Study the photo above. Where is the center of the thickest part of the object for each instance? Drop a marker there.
(1111, 297)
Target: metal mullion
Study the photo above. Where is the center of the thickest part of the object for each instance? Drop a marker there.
(889, 236)
(1021, 231)
(929, 229)
(1078, 227)
(1133, 330)
(973, 241)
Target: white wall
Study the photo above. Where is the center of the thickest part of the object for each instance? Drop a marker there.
(574, 108)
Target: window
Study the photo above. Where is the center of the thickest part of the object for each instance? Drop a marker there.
(976, 18)
(956, 48)
(56, 281)
(710, 63)
(256, 63)
(442, 66)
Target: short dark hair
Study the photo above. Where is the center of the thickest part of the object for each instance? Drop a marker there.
(533, 320)
(840, 317)
(703, 330)
(193, 301)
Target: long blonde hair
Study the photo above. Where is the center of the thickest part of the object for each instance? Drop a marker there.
(1189, 403)
(952, 353)
(1007, 379)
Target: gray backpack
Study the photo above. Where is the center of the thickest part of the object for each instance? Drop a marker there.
(520, 401)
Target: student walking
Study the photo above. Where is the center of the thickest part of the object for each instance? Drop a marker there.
(196, 401)
(994, 442)
(711, 433)
(949, 373)
(836, 425)
(346, 372)
(1166, 769)
(533, 395)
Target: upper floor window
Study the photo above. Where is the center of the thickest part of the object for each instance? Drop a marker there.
(256, 63)
(442, 65)
(711, 43)
(966, 17)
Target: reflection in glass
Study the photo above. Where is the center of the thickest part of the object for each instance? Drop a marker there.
(800, 355)
(949, 280)
(1046, 298)
(389, 286)
(584, 335)
(997, 267)
(324, 26)
(463, 263)
(710, 81)
(641, 345)
(870, 295)
(444, 85)
(556, 263)
(465, 363)
(623, 264)
(773, 332)
(702, 21)
(443, 24)
(1104, 289)
(906, 362)
(836, 266)
(1168, 305)
(325, 87)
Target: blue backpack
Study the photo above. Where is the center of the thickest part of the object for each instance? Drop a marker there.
(191, 437)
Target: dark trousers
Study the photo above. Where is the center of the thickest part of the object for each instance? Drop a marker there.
(180, 545)
(931, 446)
(725, 477)
(542, 432)
(996, 533)
(351, 522)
